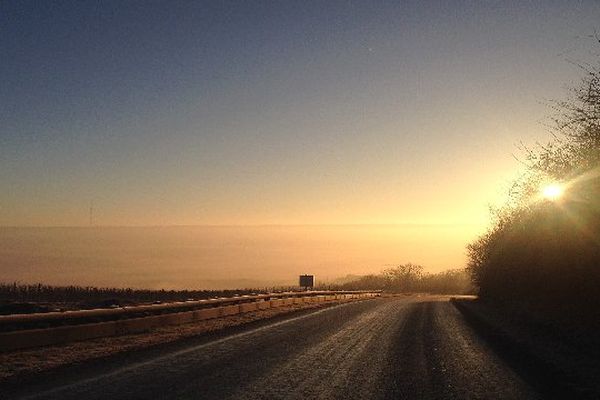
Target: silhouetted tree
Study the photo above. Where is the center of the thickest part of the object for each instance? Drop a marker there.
(406, 278)
(540, 255)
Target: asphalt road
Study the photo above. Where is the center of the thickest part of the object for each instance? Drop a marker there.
(395, 348)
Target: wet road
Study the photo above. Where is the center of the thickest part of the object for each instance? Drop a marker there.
(395, 348)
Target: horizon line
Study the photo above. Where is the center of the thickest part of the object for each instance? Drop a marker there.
(407, 224)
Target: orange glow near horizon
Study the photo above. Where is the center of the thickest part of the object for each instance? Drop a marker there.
(222, 257)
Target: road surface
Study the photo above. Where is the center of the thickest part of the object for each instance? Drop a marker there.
(389, 348)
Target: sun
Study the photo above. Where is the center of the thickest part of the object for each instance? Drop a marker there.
(552, 191)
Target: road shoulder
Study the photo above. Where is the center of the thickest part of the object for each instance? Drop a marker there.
(557, 368)
(19, 367)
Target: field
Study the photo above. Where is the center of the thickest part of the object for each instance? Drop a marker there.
(23, 298)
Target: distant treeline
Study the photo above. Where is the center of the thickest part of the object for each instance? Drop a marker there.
(542, 255)
(410, 278)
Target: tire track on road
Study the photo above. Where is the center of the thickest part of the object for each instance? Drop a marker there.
(330, 368)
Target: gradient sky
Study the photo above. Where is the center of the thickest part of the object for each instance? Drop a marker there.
(300, 112)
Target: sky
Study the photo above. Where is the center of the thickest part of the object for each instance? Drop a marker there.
(170, 113)
(328, 113)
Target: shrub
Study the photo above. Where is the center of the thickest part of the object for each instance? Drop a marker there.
(542, 255)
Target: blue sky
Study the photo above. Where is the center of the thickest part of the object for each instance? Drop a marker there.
(275, 112)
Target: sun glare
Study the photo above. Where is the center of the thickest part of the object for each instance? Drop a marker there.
(552, 191)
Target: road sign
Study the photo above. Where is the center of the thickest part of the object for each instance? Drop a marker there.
(307, 281)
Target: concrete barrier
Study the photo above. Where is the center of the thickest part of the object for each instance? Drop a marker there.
(288, 302)
(277, 303)
(247, 307)
(229, 310)
(45, 337)
(208, 313)
(263, 305)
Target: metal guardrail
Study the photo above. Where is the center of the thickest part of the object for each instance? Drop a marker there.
(152, 309)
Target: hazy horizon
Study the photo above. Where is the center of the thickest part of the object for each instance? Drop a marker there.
(235, 225)
(210, 257)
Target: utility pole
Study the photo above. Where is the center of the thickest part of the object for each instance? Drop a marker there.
(92, 213)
